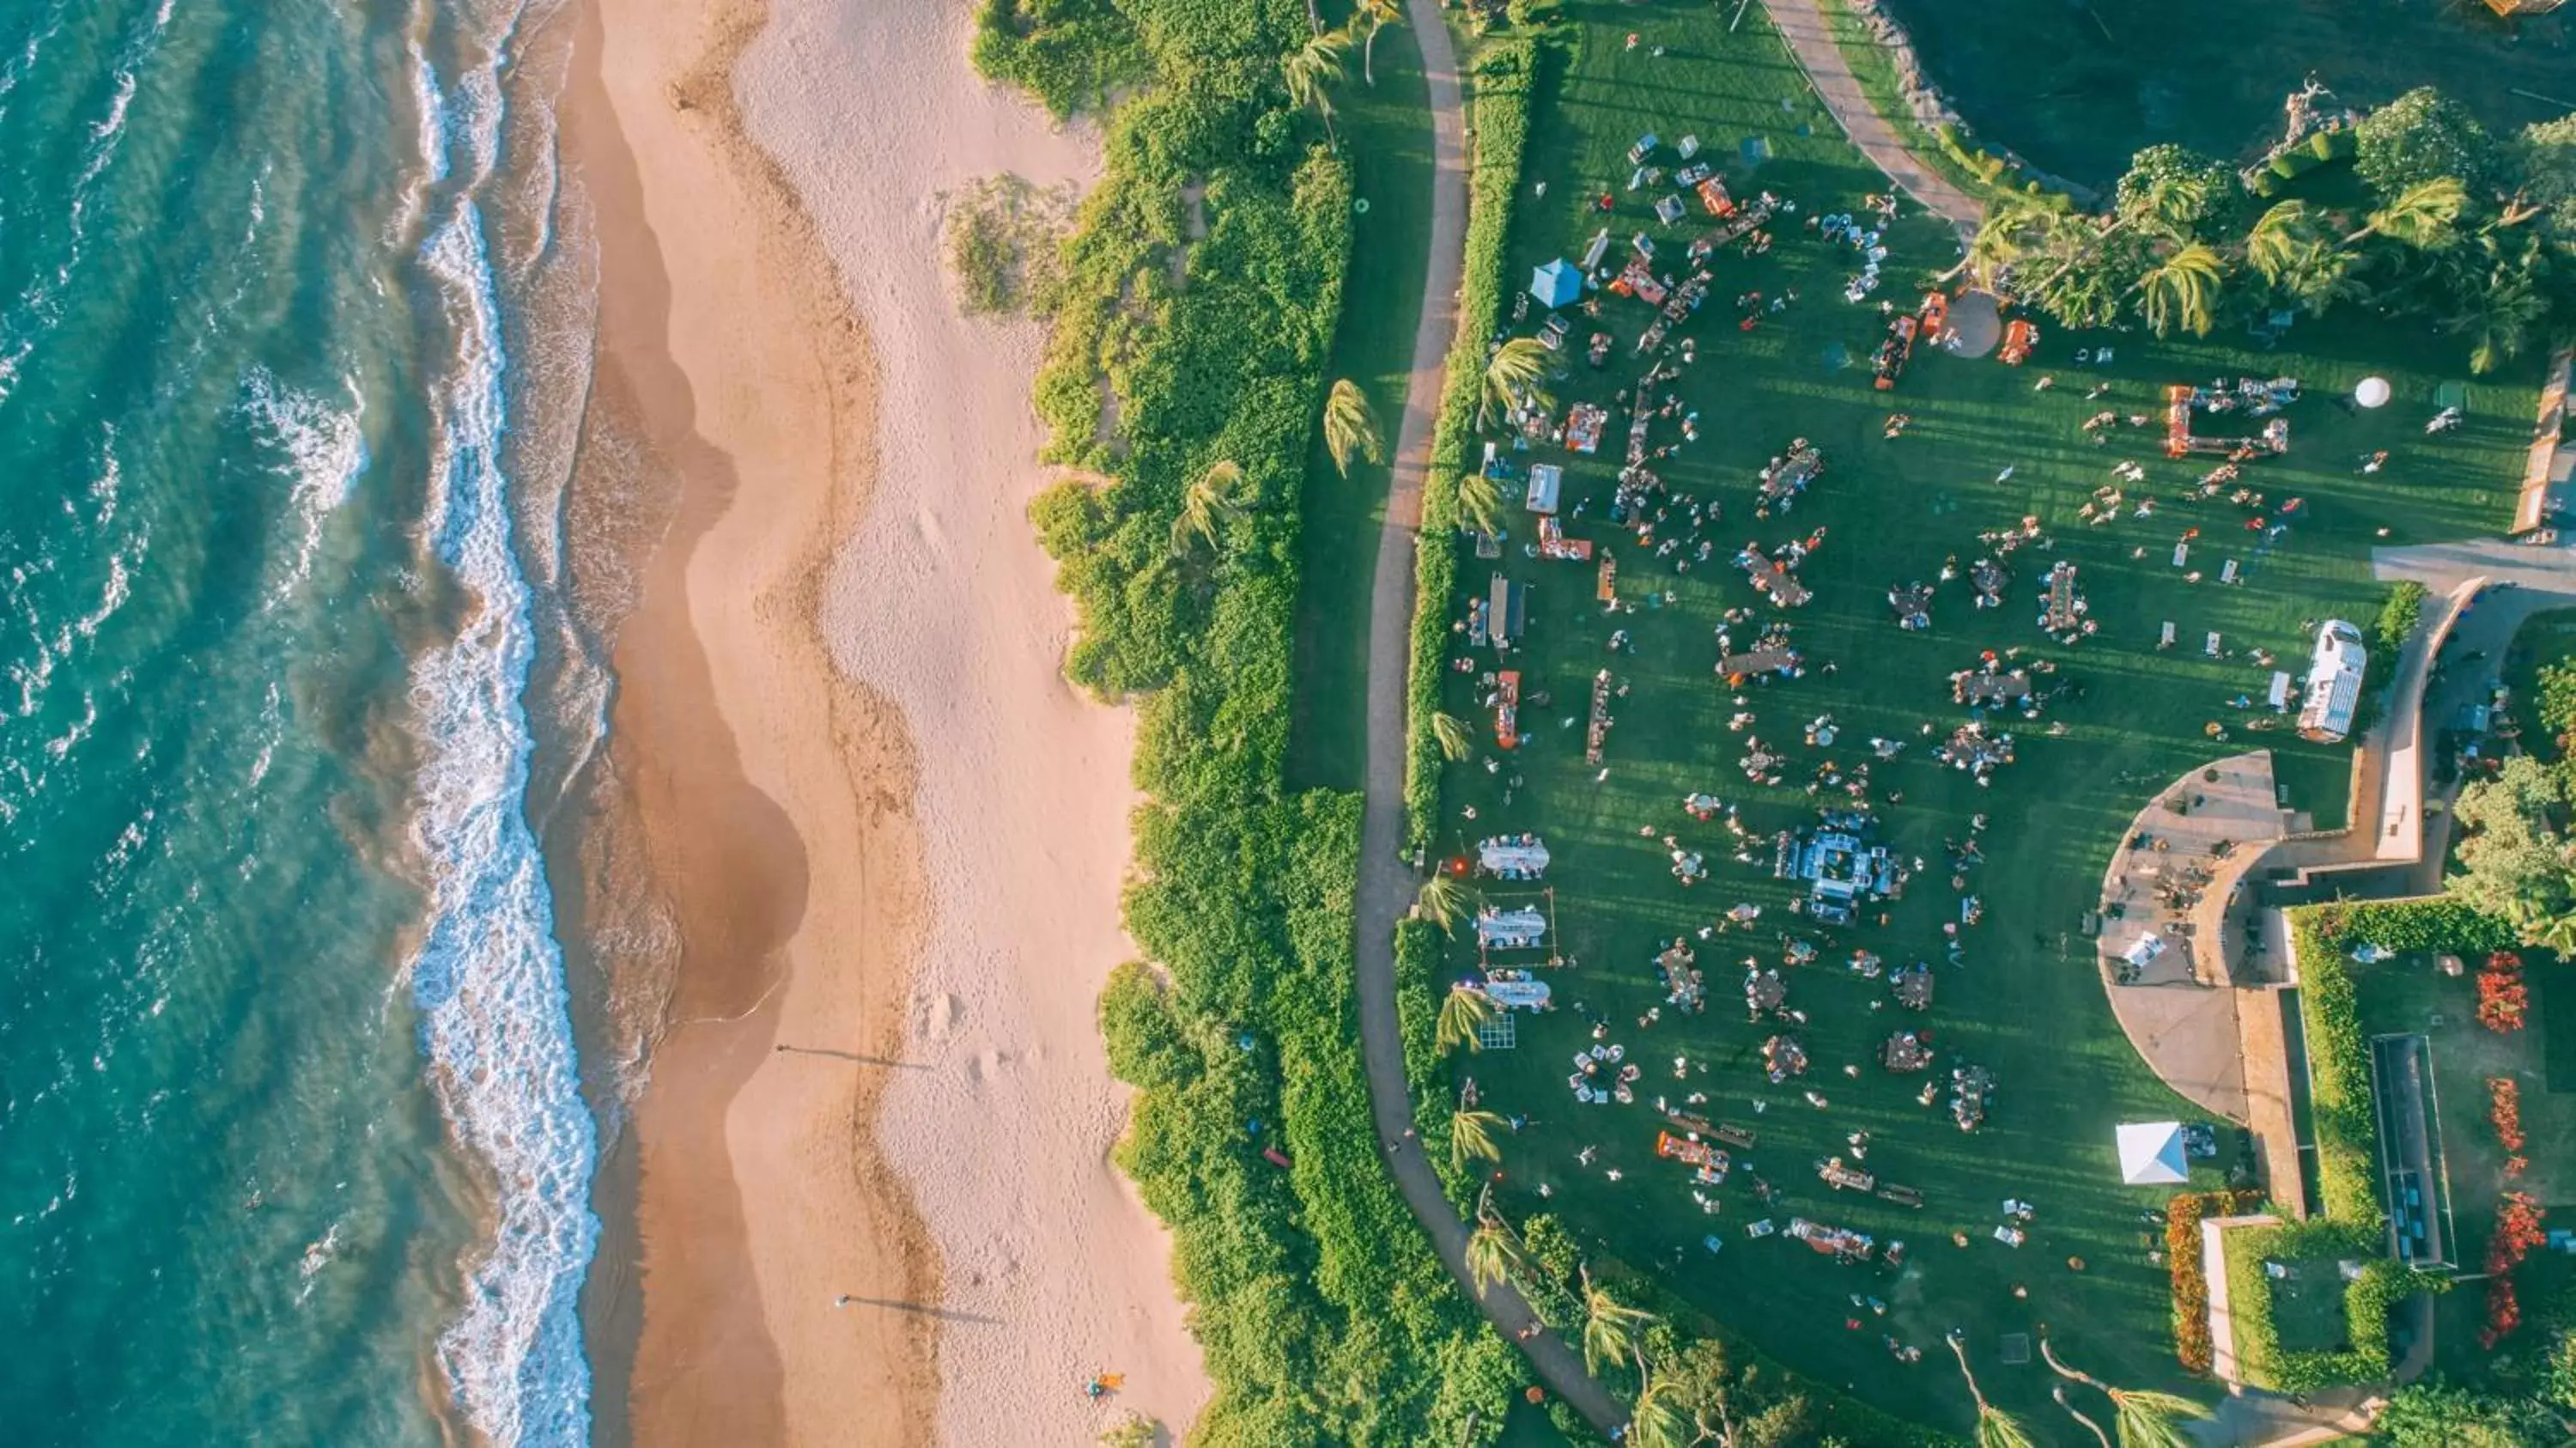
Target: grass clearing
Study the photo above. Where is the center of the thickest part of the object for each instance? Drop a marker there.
(2027, 1004)
(1388, 138)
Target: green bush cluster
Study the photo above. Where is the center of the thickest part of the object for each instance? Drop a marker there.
(2338, 1072)
(2398, 616)
(1505, 82)
(1067, 53)
(2427, 925)
(1323, 1313)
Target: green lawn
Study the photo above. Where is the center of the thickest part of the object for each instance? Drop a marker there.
(1387, 132)
(2027, 1004)
(2079, 87)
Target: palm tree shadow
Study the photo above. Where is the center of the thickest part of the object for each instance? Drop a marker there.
(944, 1314)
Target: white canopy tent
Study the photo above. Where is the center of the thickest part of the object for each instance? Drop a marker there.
(2151, 1153)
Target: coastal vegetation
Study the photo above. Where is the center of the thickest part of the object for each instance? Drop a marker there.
(2414, 211)
(1002, 234)
(1186, 362)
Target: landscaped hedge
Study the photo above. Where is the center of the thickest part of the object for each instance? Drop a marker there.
(2367, 1303)
(2338, 1071)
(1322, 1311)
(2427, 925)
(1504, 84)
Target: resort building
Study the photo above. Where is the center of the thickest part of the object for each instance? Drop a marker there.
(2334, 683)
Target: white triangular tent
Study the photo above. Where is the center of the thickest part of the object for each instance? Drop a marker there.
(2151, 1153)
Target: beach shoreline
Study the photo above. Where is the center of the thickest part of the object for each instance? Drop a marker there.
(867, 1194)
(763, 795)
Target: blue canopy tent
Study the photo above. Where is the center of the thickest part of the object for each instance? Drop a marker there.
(1556, 284)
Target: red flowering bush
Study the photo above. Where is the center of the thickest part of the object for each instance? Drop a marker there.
(2504, 1002)
(2504, 1112)
(2182, 1262)
(2504, 1311)
(2517, 1231)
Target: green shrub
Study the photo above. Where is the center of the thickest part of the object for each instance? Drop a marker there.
(1067, 53)
(1321, 1310)
(2398, 615)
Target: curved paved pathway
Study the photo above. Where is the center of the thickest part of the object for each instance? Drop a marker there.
(1386, 884)
(1811, 42)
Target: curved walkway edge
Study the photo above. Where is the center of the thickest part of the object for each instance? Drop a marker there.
(1810, 39)
(1386, 884)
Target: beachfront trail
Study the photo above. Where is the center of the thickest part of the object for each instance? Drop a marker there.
(1386, 884)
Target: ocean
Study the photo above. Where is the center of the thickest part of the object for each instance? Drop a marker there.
(294, 329)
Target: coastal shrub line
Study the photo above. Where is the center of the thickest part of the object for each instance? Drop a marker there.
(1184, 372)
(1504, 86)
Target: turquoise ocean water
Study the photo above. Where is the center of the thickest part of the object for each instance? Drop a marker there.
(292, 1148)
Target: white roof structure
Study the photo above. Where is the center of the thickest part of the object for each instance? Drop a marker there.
(2334, 683)
(1546, 480)
(2151, 1153)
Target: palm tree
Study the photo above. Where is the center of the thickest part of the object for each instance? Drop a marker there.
(1461, 1012)
(2058, 1395)
(1494, 1250)
(2555, 934)
(1372, 17)
(2501, 322)
(2012, 229)
(1439, 901)
(1515, 374)
(1207, 505)
(2281, 239)
(1481, 503)
(1612, 1330)
(1312, 71)
(1456, 740)
(2144, 1419)
(2179, 290)
(1471, 1137)
(1658, 1421)
(1350, 428)
(1995, 1427)
(2421, 217)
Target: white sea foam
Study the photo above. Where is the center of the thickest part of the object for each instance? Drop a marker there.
(325, 451)
(489, 975)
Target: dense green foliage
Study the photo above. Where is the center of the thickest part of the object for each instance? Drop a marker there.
(2456, 231)
(2338, 1067)
(1067, 53)
(2516, 859)
(2421, 136)
(2398, 617)
(2437, 1414)
(1505, 82)
(1324, 1315)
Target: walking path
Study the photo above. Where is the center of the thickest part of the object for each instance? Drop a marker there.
(1386, 885)
(1811, 42)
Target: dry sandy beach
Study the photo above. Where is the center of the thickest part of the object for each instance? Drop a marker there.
(873, 1201)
